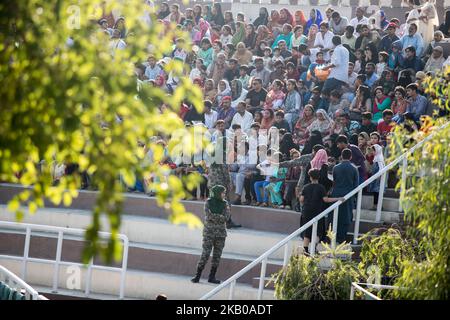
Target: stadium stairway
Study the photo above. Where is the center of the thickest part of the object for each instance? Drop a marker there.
(162, 256)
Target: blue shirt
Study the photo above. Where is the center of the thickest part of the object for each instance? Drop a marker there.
(416, 41)
(370, 81)
(417, 107)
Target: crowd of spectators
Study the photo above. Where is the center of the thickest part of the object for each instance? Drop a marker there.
(320, 82)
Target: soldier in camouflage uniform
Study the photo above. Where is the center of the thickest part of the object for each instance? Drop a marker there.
(218, 170)
(217, 213)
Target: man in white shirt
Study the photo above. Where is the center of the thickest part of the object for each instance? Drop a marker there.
(360, 19)
(210, 115)
(339, 67)
(323, 40)
(242, 117)
(116, 42)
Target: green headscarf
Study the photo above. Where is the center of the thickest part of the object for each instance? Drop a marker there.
(215, 202)
(239, 35)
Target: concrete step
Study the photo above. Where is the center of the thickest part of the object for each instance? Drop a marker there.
(157, 231)
(256, 218)
(139, 285)
(144, 257)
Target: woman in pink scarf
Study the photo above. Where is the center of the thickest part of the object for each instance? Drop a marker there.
(320, 162)
(204, 27)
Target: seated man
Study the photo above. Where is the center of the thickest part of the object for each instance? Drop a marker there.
(417, 103)
(386, 125)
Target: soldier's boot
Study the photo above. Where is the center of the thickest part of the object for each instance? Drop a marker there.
(196, 279)
(212, 276)
(232, 224)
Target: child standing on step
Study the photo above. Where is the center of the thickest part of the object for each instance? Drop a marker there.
(313, 199)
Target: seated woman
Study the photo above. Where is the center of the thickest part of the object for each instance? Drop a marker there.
(242, 54)
(275, 96)
(400, 104)
(276, 182)
(300, 128)
(323, 124)
(223, 90)
(238, 93)
(380, 103)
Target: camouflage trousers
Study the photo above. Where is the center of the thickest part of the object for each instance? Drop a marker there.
(214, 244)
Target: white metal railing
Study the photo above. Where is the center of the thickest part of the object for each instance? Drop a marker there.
(314, 222)
(14, 282)
(359, 287)
(60, 231)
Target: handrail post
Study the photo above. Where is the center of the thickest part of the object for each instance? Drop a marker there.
(262, 277)
(358, 217)
(352, 292)
(231, 294)
(335, 226)
(88, 278)
(26, 252)
(380, 197)
(286, 254)
(312, 244)
(124, 267)
(57, 262)
(403, 183)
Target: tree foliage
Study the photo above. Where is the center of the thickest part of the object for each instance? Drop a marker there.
(60, 102)
(426, 201)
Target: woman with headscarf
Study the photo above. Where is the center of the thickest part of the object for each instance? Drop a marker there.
(223, 90)
(209, 90)
(300, 129)
(286, 17)
(208, 13)
(320, 162)
(299, 18)
(238, 93)
(323, 123)
(204, 27)
(378, 164)
(312, 32)
(163, 11)
(263, 18)
(287, 144)
(239, 35)
(436, 60)
(217, 214)
(445, 26)
(262, 35)
(274, 21)
(250, 36)
(242, 54)
(315, 17)
(438, 40)
(217, 15)
(315, 138)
